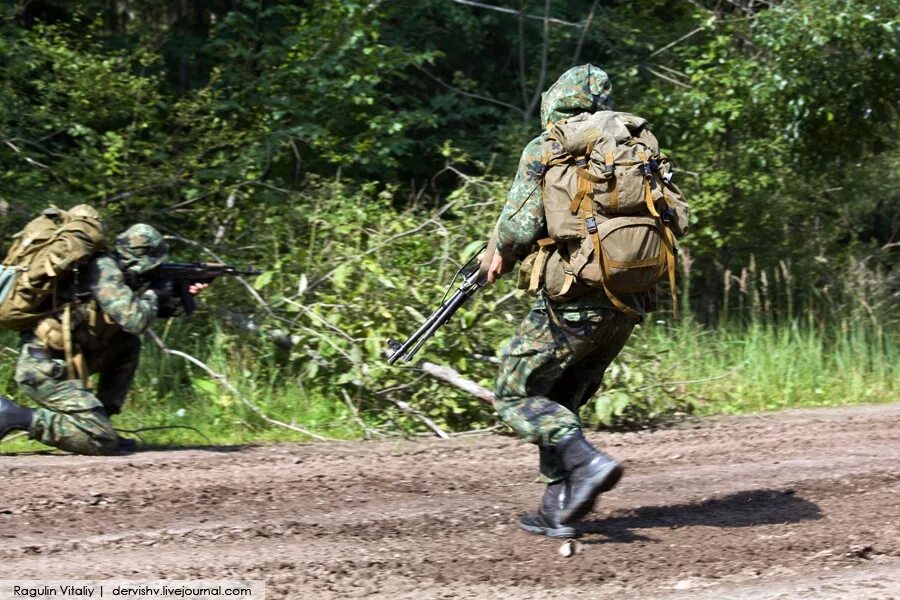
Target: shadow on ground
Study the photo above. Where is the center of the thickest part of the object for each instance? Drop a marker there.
(181, 447)
(741, 509)
(140, 449)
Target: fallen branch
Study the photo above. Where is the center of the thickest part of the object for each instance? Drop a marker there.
(484, 431)
(223, 381)
(455, 379)
(409, 409)
(368, 432)
(690, 381)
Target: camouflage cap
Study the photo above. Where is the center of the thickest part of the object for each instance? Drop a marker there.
(584, 88)
(141, 248)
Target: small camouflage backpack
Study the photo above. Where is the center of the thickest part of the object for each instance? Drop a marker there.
(43, 259)
(610, 205)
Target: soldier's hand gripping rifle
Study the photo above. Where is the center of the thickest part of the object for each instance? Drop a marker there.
(474, 277)
(183, 275)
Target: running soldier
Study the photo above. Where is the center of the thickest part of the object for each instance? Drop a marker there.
(556, 360)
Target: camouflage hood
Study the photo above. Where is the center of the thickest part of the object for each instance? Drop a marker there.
(584, 88)
(141, 248)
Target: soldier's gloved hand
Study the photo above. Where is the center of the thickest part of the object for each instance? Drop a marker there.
(167, 310)
(164, 290)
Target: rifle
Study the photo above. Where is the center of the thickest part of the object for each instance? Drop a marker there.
(474, 277)
(185, 274)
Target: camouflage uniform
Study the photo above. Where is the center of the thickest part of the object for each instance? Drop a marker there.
(556, 360)
(107, 319)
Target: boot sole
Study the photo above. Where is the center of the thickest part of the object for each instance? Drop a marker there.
(603, 481)
(562, 533)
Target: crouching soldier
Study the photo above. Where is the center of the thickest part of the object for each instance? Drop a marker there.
(109, 306)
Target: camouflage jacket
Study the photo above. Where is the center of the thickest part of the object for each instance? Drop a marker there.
(113, 305)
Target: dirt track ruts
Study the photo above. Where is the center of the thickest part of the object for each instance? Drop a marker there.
(800, 504)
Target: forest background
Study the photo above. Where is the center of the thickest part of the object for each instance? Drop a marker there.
(359, 152)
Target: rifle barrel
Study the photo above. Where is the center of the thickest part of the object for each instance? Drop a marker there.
(448, 310)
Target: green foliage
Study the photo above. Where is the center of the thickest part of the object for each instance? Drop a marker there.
(347, 272)
(321, 139)
(788, 123)
(640, 388)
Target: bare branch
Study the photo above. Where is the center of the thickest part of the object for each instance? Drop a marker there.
(411, 410)
(587, 25)
(519, 13)
(455, 379)
(539, 88)
(484, 431)
(667, 78)
(368, 432)
(690, 381)
(676, 42)
(470, 94)
(430, 222)
(522, 83)
(223, 381)
(18, 151)
(671, 71)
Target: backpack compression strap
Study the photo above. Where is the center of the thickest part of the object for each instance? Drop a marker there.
(668, 236)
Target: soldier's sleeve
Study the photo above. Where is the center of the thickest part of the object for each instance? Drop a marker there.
(522, 221)
(132, 312)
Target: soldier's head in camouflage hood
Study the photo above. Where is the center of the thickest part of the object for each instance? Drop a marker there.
(584, 88)
(141, 248)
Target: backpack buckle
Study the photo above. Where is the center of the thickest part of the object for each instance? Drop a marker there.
(591, 224)
(667, 215)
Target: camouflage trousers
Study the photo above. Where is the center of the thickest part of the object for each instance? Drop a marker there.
(550, 368)
(72, 417)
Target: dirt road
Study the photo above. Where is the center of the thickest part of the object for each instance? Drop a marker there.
(802, 504)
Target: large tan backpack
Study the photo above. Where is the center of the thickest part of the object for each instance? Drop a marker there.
(611, 207)
(43, 260)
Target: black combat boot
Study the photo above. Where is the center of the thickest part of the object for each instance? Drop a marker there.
(124, 444)
(546, 520)
(13, 416)
(590, 473)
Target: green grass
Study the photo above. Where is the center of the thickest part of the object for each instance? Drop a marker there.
(735, 368)
(762, 366)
